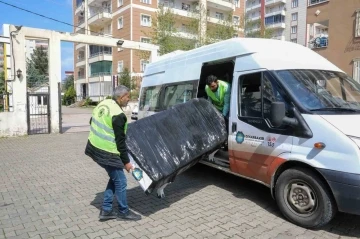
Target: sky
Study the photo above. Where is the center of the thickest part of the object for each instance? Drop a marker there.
(57, 9)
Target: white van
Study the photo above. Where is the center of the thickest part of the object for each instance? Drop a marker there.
(292, 126)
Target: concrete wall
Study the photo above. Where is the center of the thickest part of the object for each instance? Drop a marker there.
(15, 123)
(343, 46)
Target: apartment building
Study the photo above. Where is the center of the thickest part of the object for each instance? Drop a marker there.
(32, 44)
(333, 31)
(286, 18)
(95, 66)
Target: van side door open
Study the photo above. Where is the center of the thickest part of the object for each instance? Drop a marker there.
(255, 146)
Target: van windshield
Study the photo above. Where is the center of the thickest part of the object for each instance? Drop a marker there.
(319, 90)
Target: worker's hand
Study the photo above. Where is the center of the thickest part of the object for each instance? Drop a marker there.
(129, 167)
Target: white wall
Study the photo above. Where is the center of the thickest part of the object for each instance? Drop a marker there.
(301, 22)
(15, 123)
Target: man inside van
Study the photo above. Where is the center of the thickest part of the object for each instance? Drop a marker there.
(218, 93)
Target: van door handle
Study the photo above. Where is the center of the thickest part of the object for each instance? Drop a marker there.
(233, 127)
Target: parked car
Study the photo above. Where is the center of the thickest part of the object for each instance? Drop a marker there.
(134, 113)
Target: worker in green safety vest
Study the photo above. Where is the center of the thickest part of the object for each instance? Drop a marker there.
(218, 93)
(106, 146)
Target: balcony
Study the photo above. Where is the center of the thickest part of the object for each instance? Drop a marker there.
(80, 61)
(273, 13)
(79, 8)
(224, 5)
(100, 18)
(100, 56)
(101, 76)
(318, 34)
(96, 2)
(279, 25)
(184, 11)
(270, 3)
(320, 41)
(79, 46)
(253, 7)
(281, 38)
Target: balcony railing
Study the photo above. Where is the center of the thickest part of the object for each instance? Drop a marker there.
(100, 74)
(81, 21)
(104, 10)
(100, 54)
(319, 42)
(81, 58)
(81, 77)
(315, 2)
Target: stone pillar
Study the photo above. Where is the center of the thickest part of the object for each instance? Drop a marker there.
(54, 79)
(202, 21)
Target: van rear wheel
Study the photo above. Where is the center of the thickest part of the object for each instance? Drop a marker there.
(304, 199)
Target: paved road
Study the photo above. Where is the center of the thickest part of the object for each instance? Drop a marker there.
(50, 189)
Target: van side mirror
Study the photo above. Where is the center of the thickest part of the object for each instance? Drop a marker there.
(278, 116)
(277, 113)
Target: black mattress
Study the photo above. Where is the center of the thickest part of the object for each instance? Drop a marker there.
(169, 142)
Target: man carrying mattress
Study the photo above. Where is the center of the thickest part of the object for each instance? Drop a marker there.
(218, 93)
(106, 146)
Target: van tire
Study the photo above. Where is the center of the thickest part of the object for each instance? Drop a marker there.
(311, 205)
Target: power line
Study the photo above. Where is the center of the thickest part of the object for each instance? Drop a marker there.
(40, 15)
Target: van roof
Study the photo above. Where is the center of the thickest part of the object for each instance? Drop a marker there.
(252, 53)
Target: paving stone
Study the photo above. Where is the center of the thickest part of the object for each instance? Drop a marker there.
(50, 189)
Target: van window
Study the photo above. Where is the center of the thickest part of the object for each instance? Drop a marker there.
(258, 91)
(176, 94)
(149, 99)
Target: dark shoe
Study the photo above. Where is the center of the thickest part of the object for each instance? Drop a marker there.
(106, 215)
(129, 216)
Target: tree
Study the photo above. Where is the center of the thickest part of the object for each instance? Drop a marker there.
(2, 90)
(164, 33)
(37, 68)
(68, 82)
(255, 28)
(69, 96)
(125, 78)
(2, 83)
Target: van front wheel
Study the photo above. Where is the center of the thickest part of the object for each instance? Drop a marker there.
(303, 198)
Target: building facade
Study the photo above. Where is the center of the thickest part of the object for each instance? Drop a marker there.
(95, 66)
(286, 18)
(333, 31)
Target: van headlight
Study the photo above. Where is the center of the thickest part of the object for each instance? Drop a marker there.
(356, 140)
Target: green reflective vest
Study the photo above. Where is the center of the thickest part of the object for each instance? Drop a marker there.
(218, 102)
(101, 131)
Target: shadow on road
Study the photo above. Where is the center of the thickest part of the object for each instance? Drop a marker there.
(200, 176)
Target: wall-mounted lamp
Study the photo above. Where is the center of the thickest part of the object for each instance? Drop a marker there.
(18, 73)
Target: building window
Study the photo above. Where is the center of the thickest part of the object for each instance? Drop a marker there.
(146, 1)
(237, 3)
(236, 20)
(294, 3)
(313, 2)
(294, 16)
(294, 40)
(274, 19)
(356, 70)
(145, 39)
(120, 22)
(145, 20)
(219, 15)
(120, 66)
(293, 29)
(143, 64)
(120, 3)
(357, 27)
